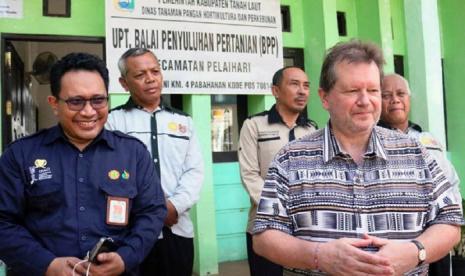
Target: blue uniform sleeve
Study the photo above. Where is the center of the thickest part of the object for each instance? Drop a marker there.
(147, 215)
(18, 248)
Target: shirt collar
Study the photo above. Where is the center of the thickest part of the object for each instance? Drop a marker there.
(275, 118)
(56, 133)
(331, 147)
(414, 126)
(130, 104)
(411, 125)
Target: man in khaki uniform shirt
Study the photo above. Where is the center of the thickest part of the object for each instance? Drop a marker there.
(262, 136)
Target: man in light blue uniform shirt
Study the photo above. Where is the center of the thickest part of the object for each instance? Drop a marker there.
(170, 136)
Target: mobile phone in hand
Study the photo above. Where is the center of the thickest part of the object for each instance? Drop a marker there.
(103, 245)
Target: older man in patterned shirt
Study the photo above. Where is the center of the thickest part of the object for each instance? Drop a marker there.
(354, 198)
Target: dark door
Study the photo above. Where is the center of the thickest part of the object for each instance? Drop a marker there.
(19, 116)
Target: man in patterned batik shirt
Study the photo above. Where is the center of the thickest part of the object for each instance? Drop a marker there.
(354, 198)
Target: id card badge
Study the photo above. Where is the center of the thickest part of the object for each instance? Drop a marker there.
(117, 211)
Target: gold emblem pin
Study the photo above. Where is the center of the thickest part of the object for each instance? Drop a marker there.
(40, 163)
(113, 174)
(172, 126)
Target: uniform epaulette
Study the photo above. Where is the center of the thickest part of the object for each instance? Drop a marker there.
(263, 113)
(27, 137)
(176, 111)
(124, 135)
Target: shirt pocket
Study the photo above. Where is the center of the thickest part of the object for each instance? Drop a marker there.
(122, 189)
(179, 142)
(173, 150)
(44, 196)
(44, 202)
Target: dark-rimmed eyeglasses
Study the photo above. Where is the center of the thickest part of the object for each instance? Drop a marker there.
(78, 103)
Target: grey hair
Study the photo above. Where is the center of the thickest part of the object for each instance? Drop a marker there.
(132, 52)
(402, 78)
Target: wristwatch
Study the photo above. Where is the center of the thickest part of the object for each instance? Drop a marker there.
(421, 252)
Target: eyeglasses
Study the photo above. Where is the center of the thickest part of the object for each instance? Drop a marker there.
(78, 103)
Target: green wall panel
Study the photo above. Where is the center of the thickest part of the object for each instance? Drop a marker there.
(424, 63)
(293, 38)
(87, 19)
(231, 248)
(320, 28)
(203, 213)
(452, 16)
(226, 173)
(231, 196)
(232, 205)
(374, 24)
(118, 99)
(348, 7)
(233, 221)
(259, 103)
(398, 27)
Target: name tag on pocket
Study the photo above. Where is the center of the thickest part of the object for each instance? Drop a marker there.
(117, 211)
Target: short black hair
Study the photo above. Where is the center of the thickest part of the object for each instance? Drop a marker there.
(278, 76)
(74, 62)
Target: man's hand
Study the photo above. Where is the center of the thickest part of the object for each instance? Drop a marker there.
(172, 215)
(110, 264)
(344, 257)
(402, 255)
(61, 266)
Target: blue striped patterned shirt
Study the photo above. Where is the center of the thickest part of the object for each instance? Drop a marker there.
(316, 192)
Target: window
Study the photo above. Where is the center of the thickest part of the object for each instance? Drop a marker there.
(285, 18)
(293, 57)
(61, 8)
(341, 23)
(228, 114)
(399, 64)
(173, 100)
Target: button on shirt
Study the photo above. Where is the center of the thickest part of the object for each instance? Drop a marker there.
(53, 199)
(315, 191)
(170, 137)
